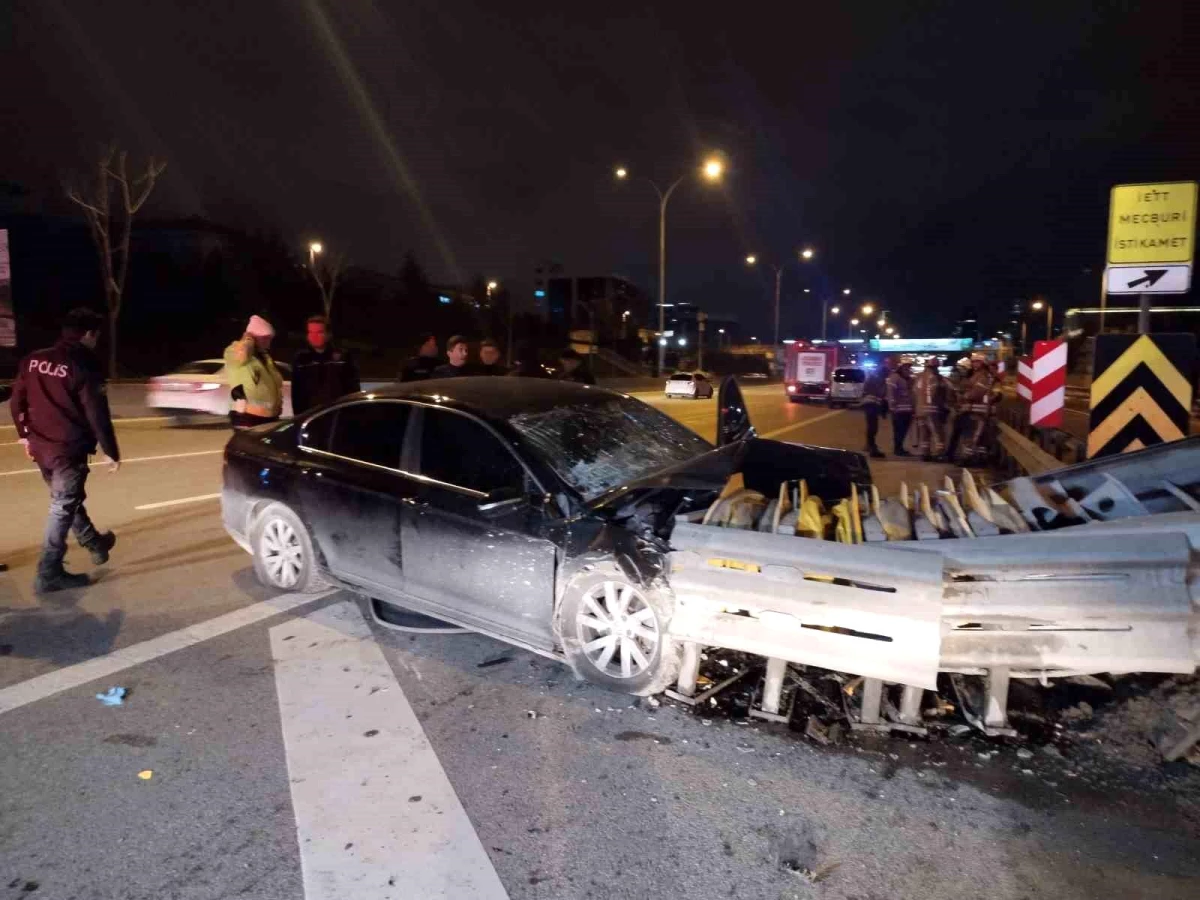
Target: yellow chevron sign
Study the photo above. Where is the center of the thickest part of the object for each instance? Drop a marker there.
(1141, 391)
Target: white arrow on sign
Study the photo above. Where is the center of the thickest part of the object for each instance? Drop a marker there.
(1165, 279)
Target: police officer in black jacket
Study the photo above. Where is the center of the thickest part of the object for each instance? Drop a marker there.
(322, 372)
(60, 408)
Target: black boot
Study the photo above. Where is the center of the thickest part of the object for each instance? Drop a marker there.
(876, 453)
(58, 580)
(99, 549)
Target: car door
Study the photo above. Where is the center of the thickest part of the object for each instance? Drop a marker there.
(475, 542)
(733, 419)
(352, 489)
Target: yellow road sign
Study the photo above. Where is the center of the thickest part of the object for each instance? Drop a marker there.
(1152, 223)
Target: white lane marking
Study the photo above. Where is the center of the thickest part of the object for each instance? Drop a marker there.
(69, 677)
(137, 459)
(122, 421)
(813, 421)
(376, 816)
(165, 503)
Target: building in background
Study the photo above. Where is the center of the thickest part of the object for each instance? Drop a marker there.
(611, 309)
(968, 325)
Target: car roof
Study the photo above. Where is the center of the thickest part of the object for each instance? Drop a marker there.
(497, 397)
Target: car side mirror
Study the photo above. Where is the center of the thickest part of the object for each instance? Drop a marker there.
(503, 500)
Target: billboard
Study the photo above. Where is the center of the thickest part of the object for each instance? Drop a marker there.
(8, 319)
(922, 345)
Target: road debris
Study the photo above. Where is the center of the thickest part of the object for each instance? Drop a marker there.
(114, 696)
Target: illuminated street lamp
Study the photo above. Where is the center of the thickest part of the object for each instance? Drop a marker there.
(852, 324)
(868, 309)
(891, 331)
(711, 171)
(314, 250)
(1038, 305)
(803, 256)
(833, 311)
(882, 323)
(846, 291)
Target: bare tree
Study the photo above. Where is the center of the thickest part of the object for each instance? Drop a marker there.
(111, 234)
(327, 271)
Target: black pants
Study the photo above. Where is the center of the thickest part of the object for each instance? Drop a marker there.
(871, 411)
(900, 423)
(66, 478)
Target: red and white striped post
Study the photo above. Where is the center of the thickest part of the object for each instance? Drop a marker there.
(1024, 378)
(1048, 383)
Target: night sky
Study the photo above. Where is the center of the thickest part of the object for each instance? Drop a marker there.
(936, 155)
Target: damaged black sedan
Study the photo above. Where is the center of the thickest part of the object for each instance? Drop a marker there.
(536, 512)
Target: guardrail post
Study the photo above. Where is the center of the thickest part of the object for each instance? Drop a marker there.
(872, 701)
(689, 671)
(773, 685)
(995, 713)
(910, 705)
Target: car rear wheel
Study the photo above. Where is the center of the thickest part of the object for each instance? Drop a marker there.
(283, 552)
(615, 633)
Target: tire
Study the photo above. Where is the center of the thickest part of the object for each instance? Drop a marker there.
(284, 557)
(653, 664)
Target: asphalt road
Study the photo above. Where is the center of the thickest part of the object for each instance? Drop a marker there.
(279, 747)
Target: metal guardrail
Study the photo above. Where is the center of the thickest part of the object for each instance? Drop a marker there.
(1035, 450)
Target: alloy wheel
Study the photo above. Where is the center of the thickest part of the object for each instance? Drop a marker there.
(618, 630)
(282, 553)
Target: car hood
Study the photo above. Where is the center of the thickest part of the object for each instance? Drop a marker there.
(764, 465)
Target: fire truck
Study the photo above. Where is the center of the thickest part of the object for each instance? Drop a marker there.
(808, 370)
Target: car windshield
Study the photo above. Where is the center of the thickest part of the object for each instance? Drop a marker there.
(681, 376)
(849, 376)
(599, 446)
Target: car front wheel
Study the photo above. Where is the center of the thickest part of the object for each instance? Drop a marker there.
(283, 552)
(615, 633)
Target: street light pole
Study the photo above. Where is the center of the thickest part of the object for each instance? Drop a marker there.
(778, 282)
(711, 170)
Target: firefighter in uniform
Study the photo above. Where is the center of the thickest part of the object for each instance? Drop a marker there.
(929, 395)
(974, 408)
(61, 412)
(900, 405)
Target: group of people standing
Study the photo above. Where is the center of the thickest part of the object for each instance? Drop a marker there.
(322, 372)
(925, 402)
(428, 362)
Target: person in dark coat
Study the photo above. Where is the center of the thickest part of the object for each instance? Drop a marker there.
(489, 359)
(458, 352)
(572, 368)
(421, 366)
(874, 404)
(528, 365)
(321, 372)
(60, 407)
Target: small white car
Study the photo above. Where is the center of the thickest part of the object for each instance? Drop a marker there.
(694, 385)
(847, 386)
(200, 388)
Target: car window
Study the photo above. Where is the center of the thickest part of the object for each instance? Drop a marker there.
(318, 430)
(849, 376)
(457, 450)
(680, 376)
(370, 432)
(200, 368)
